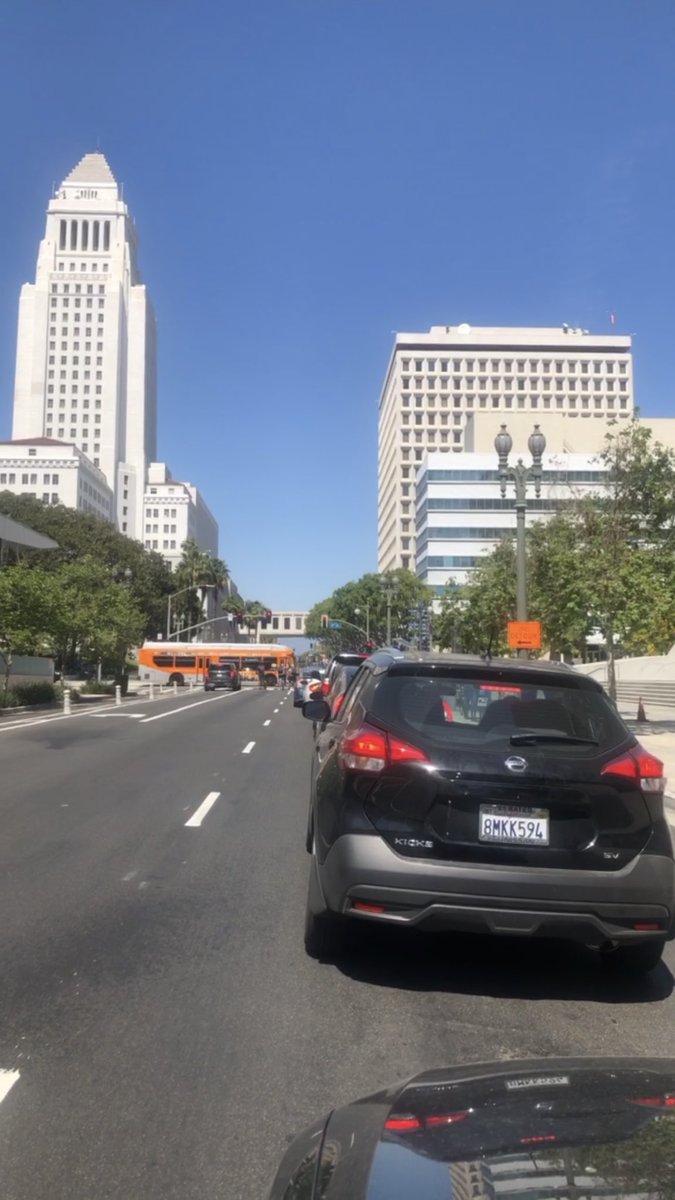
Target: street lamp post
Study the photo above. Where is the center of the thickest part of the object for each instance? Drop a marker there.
(389, 590)
(170, 597)
(521, 476)
(357, 613)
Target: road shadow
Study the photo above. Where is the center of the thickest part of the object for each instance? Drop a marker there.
(640, 728)
(507, 968)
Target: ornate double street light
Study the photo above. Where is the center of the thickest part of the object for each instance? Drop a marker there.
(521, 477)
(389, 590)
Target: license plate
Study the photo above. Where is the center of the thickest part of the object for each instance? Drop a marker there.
(523, 826)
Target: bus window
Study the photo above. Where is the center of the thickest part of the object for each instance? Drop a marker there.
(185, 660)
(163, 660)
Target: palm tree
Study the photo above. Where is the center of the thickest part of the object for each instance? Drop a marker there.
(198, 571)
(253, 612)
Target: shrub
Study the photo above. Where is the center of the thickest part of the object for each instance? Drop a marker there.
(35, 693)
(93, 688)
(8, 699)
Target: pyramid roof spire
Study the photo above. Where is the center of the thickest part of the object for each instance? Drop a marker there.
(92, 168)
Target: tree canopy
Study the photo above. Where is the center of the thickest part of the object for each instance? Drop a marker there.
(362, 605)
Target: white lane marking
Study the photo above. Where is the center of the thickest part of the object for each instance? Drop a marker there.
(104, 716)
(276, 710)
(129, 876)
(185, 707)
(206, 804)
(265, 723)
(7, 1081)
(247, 749)
(29, 722)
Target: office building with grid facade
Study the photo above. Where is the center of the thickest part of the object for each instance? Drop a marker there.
(436, 382)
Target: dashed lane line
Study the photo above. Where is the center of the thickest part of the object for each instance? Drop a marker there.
(247, 748)
(205, 806)
(265, 723)
(7, 1081)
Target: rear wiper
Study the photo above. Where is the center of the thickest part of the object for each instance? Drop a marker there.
(570, 739)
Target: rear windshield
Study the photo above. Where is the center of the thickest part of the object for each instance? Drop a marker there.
(454, 709)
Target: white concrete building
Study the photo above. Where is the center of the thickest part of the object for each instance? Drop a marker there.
(55, 473)
(173, 512)
(461, 514)
(437, 382)
(86, 354)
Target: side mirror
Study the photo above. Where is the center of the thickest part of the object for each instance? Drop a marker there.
(316, 710)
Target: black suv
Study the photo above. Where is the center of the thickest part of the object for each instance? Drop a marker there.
(494, 796)
(222, 675)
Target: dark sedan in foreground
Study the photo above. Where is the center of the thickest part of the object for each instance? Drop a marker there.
(486, 796)
(569, 1128)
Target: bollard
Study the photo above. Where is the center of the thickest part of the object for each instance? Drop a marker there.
(152, 691)
(192, 685)
(641, 714)
(118, 694)
(175, 688)
(66, 701)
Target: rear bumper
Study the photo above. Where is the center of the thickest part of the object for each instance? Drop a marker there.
(593, 907)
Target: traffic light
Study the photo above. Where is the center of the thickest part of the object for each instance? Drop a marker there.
(324, 620)
(369, 646)
(240, 618)
(268, 614)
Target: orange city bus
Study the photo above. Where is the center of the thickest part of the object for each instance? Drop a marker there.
(179, 662)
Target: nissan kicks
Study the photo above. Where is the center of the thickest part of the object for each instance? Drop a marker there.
(493, 796)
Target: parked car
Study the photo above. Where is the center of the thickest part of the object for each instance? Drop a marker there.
(345, 658)
(222, 675)
(308, 680)
(525, 1127)
(539, 814)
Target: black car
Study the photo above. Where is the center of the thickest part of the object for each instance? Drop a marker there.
(489, 796)
(222, 675)
(540, 1127)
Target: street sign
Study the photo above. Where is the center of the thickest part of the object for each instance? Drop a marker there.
(335, 624)
(525, 635)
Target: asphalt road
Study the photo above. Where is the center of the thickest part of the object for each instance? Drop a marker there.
(162, 1033)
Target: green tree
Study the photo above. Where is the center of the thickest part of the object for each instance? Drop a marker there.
(474, 616)
(362, 602)
(102, 621)
(253, 612)
(81, 535)
(32, 613)
(559, 589)
(198, 572)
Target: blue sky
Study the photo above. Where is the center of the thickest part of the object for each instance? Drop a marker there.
(308, 176)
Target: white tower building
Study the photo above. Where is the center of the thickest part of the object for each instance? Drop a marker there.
(86, 344)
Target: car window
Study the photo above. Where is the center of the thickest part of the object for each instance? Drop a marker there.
(355, 690)
(453, 709)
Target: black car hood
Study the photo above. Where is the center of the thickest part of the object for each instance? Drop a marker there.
(563, 1128)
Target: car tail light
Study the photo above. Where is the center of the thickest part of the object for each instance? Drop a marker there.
(639, 765)
(445, 1119)
(337, 704)
(369, 749)
(657, 1101)
(538, 1138)
(402, 1124)
(407, 1123)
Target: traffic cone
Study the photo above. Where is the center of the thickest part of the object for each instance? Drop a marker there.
(641, 714)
